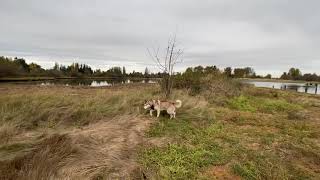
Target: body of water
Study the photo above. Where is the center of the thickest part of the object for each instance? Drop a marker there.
(310, 88)
(85, 82)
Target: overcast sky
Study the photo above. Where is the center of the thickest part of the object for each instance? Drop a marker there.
(269, 35)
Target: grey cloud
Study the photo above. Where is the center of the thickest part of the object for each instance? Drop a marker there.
(267, 35)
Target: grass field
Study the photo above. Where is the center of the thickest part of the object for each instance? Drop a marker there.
(262, 134)
(103, 133)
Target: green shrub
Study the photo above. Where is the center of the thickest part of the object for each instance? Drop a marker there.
(215, 86)
(188, 80)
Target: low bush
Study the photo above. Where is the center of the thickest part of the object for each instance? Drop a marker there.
(215, 86)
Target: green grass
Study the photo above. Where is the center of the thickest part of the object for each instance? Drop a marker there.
(192, 149)
(261, 167)
(242, 103)
(266, 105)
(252, 137)
(181, 162)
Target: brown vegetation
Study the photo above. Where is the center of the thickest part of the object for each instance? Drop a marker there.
(71, 133)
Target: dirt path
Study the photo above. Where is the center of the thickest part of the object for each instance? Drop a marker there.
(108, 149)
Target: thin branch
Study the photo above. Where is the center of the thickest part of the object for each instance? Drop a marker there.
(156, 60)
(167, 63)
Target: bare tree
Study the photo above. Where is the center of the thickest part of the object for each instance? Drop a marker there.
(167, 63)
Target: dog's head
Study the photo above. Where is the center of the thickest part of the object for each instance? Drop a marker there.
(148, 104)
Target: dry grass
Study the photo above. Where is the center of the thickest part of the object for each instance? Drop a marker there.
(42, 162)
(71, 133)
(7, 132)
(96, 133)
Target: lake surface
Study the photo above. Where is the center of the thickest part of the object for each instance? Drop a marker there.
(85, 82)
(293, 86)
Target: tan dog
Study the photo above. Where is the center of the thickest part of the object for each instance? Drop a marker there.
(157, 105)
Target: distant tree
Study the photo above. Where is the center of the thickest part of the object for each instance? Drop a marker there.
(249, 72)
(146, 73)
(294, 73)
(73, 69)
(244, 72)
(198, 69)
(310, 77)
(86, 70)
(228, 71)
(23, 67)
(189, 70)
(239, 72)
(124, 71)
(97, 72)
(285, 76)
(56, 66)
(135, 74)
(8, 67)
(35, 69)
(210, 69)
(268, 76)
(114, 72)
(63, 69)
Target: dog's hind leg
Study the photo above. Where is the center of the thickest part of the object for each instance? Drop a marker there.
(158, 113)
(151, 112)
(174, 115)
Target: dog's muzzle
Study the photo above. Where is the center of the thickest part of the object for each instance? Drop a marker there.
(146, 106)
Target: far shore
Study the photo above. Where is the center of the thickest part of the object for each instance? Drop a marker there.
(11, 79)
(278, 80)
(8, 79)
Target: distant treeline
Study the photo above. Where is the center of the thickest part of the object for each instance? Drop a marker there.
(295, 74)
(17, 67)
(248, 72)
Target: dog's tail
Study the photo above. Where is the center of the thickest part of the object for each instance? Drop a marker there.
(178, 104)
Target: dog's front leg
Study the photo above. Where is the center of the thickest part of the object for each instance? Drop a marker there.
(151, 112)
(158, 113)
